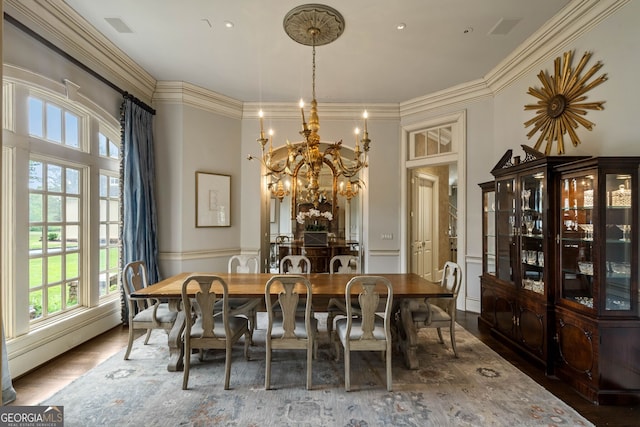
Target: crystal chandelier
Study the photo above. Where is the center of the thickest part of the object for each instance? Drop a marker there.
(313, 25)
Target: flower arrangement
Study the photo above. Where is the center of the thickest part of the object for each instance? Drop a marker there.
(313, 214)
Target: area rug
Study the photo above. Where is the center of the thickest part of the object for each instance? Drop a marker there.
(477, 389)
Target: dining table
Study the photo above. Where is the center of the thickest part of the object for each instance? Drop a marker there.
(406, 286)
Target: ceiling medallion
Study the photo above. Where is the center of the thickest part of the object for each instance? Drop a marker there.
(560, 108)
(313, 24)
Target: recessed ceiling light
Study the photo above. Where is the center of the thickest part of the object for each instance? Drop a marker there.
(228, 24)
(401, 26)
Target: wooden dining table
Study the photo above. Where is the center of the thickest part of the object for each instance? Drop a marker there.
(324, 287)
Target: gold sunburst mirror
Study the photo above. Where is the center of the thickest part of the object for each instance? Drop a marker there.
(561, 108)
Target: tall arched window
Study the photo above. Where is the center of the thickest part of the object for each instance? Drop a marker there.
(61, 204)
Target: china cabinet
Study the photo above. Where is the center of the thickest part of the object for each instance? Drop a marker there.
(596, 308)
(564, 285)
(516, 300)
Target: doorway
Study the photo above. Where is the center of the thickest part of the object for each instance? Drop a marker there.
(432, 219)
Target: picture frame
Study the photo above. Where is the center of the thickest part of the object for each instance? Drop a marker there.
(213, 200)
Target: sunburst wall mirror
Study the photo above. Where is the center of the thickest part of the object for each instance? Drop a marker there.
(561, 108)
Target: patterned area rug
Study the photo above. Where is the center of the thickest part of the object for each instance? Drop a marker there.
(477, 389)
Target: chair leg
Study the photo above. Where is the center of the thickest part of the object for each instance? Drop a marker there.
(453, 340)
(187, 364)
(146, 340)
(440, 335)
(247, 341)
(330, 316)
(389, 381)
(267, 369)
(227, 366)
(130, 344)
(310, 351)
(347, 370)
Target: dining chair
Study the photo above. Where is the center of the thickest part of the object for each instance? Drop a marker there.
(287, 329)
(144, 313)
(295, 264)
(247, 307)
(369, 331)
(209, 325)
(441, 312)
(341, 264)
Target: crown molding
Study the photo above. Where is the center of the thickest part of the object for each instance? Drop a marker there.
(55, 21)
(577, 18)
(463, 93)
(177, 92)
(327, 111)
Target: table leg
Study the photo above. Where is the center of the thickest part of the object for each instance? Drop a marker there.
(176, 347)
(408, 334)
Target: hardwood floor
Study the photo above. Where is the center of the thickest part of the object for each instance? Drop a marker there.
(39, 384)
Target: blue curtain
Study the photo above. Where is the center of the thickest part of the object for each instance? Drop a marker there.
(139, 217)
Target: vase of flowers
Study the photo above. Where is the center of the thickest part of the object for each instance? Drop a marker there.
(315, 233)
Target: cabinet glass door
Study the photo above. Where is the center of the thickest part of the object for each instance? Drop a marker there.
(618, 219)
(506, 229)
(531, 232)
(577, 234)
(489, 244)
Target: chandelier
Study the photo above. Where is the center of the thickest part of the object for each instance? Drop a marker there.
(312, 25)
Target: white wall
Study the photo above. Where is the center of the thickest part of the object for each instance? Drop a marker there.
(190, 139)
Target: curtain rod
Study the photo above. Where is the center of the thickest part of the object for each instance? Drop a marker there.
(74, 61)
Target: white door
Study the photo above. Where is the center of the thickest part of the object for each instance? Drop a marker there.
(422, 208)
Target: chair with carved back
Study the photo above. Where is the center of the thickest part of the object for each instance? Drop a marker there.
(295, 264)
(144, 313)
(210, 325)
(370, 331)
(245, 306)
(289, 327)
(441, 312)
(340, 264)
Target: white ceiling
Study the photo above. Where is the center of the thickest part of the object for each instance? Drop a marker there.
(445, 43)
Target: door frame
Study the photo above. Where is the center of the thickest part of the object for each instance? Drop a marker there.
(458, 122)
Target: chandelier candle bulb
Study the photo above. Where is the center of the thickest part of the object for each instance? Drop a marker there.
(304, 122)
(261, 115)
(365, 115)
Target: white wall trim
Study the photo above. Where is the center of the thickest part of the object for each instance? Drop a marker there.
(28, 351)
(194, 255)
(177, 92)
(328, 111)
(383, 253)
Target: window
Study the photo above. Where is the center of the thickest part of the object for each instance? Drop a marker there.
(53, 123)
(109, 233)
(61, 200)
(55, 205)
(108, 148)
(431, 142)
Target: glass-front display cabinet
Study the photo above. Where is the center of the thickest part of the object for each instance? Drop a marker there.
(598, 238)
(596, 307)
(488, 228)
(517, 300)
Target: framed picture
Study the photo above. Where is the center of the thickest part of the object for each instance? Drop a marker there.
(213, 200)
